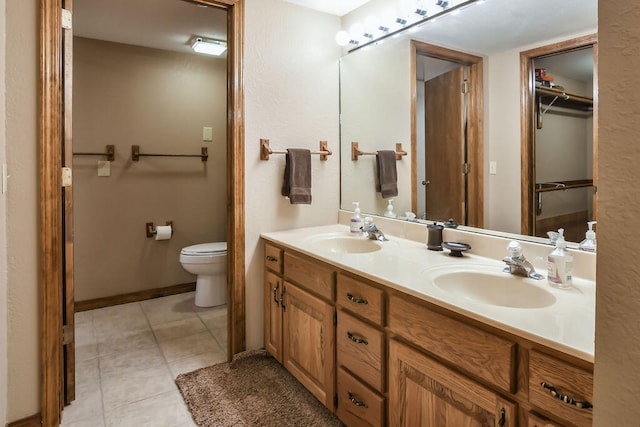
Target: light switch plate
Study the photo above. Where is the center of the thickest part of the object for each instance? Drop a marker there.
(104, 168)
(493, 168)
(207, 134)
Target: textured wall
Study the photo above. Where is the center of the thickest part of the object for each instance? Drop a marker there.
(291, 98)
(128, 95)
(3, 229)
(617, 372)
(23, 355)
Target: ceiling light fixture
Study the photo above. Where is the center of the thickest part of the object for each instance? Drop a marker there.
(209, 46)
(410, 14)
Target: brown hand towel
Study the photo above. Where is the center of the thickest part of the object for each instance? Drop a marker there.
(297, 176)
(387, 183)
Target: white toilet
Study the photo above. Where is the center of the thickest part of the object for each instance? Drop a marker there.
(209, 262)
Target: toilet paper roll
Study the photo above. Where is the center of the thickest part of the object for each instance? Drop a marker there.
(163, 232)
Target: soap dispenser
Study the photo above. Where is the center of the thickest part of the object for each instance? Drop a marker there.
(560, 264)
(390, 213)
(589, 243)
(356, 220)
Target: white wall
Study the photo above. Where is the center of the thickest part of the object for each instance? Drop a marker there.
(23, 340)
(291, 98)
(3, 229)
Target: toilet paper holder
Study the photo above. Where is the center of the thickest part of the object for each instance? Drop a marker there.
(151, 228)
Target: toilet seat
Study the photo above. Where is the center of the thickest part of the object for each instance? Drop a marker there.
(205, 249)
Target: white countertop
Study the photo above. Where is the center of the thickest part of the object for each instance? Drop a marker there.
(567, 325)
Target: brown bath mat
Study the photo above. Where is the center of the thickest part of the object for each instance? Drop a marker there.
(252, 390)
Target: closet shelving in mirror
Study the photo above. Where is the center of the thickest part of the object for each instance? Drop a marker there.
(547, 97)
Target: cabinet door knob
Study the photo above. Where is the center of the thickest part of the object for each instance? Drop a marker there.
(351, 298)
(582, 404)
(355, 401)
(503, 418)
(356, 339)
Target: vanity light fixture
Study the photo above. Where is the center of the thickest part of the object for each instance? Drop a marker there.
(410, 14)
(209, 46)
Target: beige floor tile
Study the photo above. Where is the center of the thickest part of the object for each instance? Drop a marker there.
(83, 317)
(130, 362)
(119, 321)
(180, 328)
(97, 421)
(119, 390)
(87, 371)
(191, 345)
(126, 343)
(88, 404)
(168, 309)
(215, 317)
(191, 363)
(167, 409)
(86, 352)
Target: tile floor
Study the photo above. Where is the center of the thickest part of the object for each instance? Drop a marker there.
(127, 358)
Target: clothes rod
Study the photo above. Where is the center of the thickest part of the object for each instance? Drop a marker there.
(265, 150)
(110, 153)
(136, 154)
(355, 152)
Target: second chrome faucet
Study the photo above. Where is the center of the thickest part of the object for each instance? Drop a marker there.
(517, 264)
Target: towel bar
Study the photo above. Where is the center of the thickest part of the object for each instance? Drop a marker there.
(355, 152)
(265, 150)
(136, 154)
(109, 153)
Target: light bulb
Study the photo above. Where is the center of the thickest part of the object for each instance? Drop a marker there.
(342, 38)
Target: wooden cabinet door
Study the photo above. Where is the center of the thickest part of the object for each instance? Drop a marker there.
(423, 392)
(309, 342)
(273, 286)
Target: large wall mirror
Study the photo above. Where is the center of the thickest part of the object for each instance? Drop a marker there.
(385, 100)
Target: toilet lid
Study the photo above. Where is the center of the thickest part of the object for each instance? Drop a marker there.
(205, 249)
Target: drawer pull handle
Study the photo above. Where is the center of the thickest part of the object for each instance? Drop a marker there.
(351, 298)
(275, 293)
(271, 258)
(503, 418)
(356, 339)
(582, 404)
(356, 402)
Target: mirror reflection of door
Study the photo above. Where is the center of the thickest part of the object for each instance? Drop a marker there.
(564, 143)
(447, 135)
(445, 147)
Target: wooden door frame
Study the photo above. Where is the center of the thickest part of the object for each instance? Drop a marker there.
(475, 124)
(51, 256)
(527, 122)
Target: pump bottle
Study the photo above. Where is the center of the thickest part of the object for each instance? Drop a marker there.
(356, 220)
(589, 243)
(560, 264)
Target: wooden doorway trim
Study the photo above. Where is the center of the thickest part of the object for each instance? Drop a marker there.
(527, 125)
(475, 125)
(50, 195)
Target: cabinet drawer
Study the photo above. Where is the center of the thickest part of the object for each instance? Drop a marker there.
(311, 275)
(360, 298)
(534, 420)
(360, 349)
(357, 404)
(480, 353)
(273, 258)
(566, 380)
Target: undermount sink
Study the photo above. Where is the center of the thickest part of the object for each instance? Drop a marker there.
(346, 244)
(499, 289)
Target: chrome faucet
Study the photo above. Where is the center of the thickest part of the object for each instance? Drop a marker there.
(370, 228)
(517, 263)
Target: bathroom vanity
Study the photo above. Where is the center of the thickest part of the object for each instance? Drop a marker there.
(389, 333)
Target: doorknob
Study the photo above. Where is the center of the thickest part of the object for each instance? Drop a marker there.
(426, 182)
